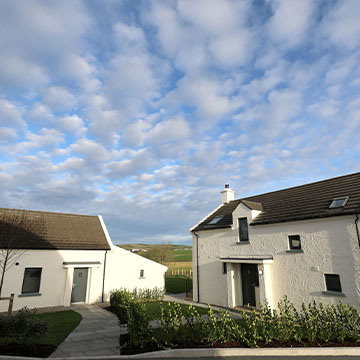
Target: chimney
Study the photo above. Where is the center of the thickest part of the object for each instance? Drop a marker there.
(227, 194)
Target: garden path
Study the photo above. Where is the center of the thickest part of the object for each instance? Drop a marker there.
(97, 334)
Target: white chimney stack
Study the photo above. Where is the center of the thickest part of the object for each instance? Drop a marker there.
(227, 194)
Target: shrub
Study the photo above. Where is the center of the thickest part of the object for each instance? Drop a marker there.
(139, 329)
(22, 326)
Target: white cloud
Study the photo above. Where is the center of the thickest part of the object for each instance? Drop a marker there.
(10, 115)
(45, 138)
(291, 21)
(72, 123)
(7, 134)
(59, 98)
(341, 25)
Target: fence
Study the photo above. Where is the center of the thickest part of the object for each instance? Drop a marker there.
(184, 272)
(11, 302)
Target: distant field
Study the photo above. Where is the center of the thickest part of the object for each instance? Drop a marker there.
(181, 255)
(179, 265)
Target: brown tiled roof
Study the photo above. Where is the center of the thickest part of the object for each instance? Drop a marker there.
(303, 202)
(48, 230)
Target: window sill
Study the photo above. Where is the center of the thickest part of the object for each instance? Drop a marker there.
(29, 294)
(333, 293)
(242, 242)
(142, 277)
(295, 251)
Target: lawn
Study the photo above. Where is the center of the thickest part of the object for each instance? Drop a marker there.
(177, 284)
(61, 324)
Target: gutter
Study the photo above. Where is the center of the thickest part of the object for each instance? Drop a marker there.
(357, 227)
(197, 266)
(103, 285)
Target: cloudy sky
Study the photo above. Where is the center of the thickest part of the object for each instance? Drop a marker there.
(142, 110)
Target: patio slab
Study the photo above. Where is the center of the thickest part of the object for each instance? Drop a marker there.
(97, 334)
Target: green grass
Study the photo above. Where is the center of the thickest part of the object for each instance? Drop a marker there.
(154, 309)
(182, 255)
(61, 324)
(177, 284)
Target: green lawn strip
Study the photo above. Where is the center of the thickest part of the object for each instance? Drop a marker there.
(61, 324)
(177, 284)
(182, 255)
(153, 309)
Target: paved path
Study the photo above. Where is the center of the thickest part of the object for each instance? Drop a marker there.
(97, 334)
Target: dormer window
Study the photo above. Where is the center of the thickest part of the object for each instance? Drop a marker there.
(215, 220)
(339, 202)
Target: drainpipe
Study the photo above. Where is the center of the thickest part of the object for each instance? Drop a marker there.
(197, 265)
(103, 286)
(357, 227)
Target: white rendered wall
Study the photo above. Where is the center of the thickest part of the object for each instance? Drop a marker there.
(123, 270)
(56, 281)
(330, 246)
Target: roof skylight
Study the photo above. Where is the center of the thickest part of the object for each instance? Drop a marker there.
(339, 202)
(215, 220)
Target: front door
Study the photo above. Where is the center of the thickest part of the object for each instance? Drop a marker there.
(249, 279)
(79, 285)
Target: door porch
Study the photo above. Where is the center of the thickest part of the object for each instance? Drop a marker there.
(249, 280)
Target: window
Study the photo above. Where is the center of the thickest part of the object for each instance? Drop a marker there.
(333, 282)
(224, 268)
(243, 230)
(294, 242)
(31, 283)
(215, 220)
(141, 273)
(339, 202)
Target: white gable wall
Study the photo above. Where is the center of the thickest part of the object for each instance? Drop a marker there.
(123, 270)
(330, 245)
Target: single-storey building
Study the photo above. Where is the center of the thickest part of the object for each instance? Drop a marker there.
(302, 242)
(66, 258)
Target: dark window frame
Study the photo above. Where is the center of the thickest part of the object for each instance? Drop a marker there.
(25, 277)
(142, 273)
(330, 285)
(224, 268)
(296, 238)
(243, 238)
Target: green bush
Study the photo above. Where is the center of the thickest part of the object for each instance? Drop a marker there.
(22, 326)
(139, 330)
(286, 325)
(122, 297)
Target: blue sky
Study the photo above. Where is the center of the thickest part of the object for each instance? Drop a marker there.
(142, 110)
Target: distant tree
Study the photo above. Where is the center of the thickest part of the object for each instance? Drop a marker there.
(15, 227)
(161, 253)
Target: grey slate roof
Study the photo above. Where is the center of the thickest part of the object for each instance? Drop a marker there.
(49, 230)
(303, 202)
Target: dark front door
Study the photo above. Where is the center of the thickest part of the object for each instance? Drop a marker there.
(79, 285)
(249, 279)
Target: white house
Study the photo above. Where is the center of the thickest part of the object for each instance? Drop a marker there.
(302, 242)
(67, 258)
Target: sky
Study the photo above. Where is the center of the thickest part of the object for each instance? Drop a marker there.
(141, 111)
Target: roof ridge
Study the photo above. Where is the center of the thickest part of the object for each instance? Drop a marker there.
(48, 212)
(298, 186)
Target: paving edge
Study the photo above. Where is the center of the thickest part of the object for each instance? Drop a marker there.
(272, 353)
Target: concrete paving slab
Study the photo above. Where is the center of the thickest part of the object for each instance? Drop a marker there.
(97, 334)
